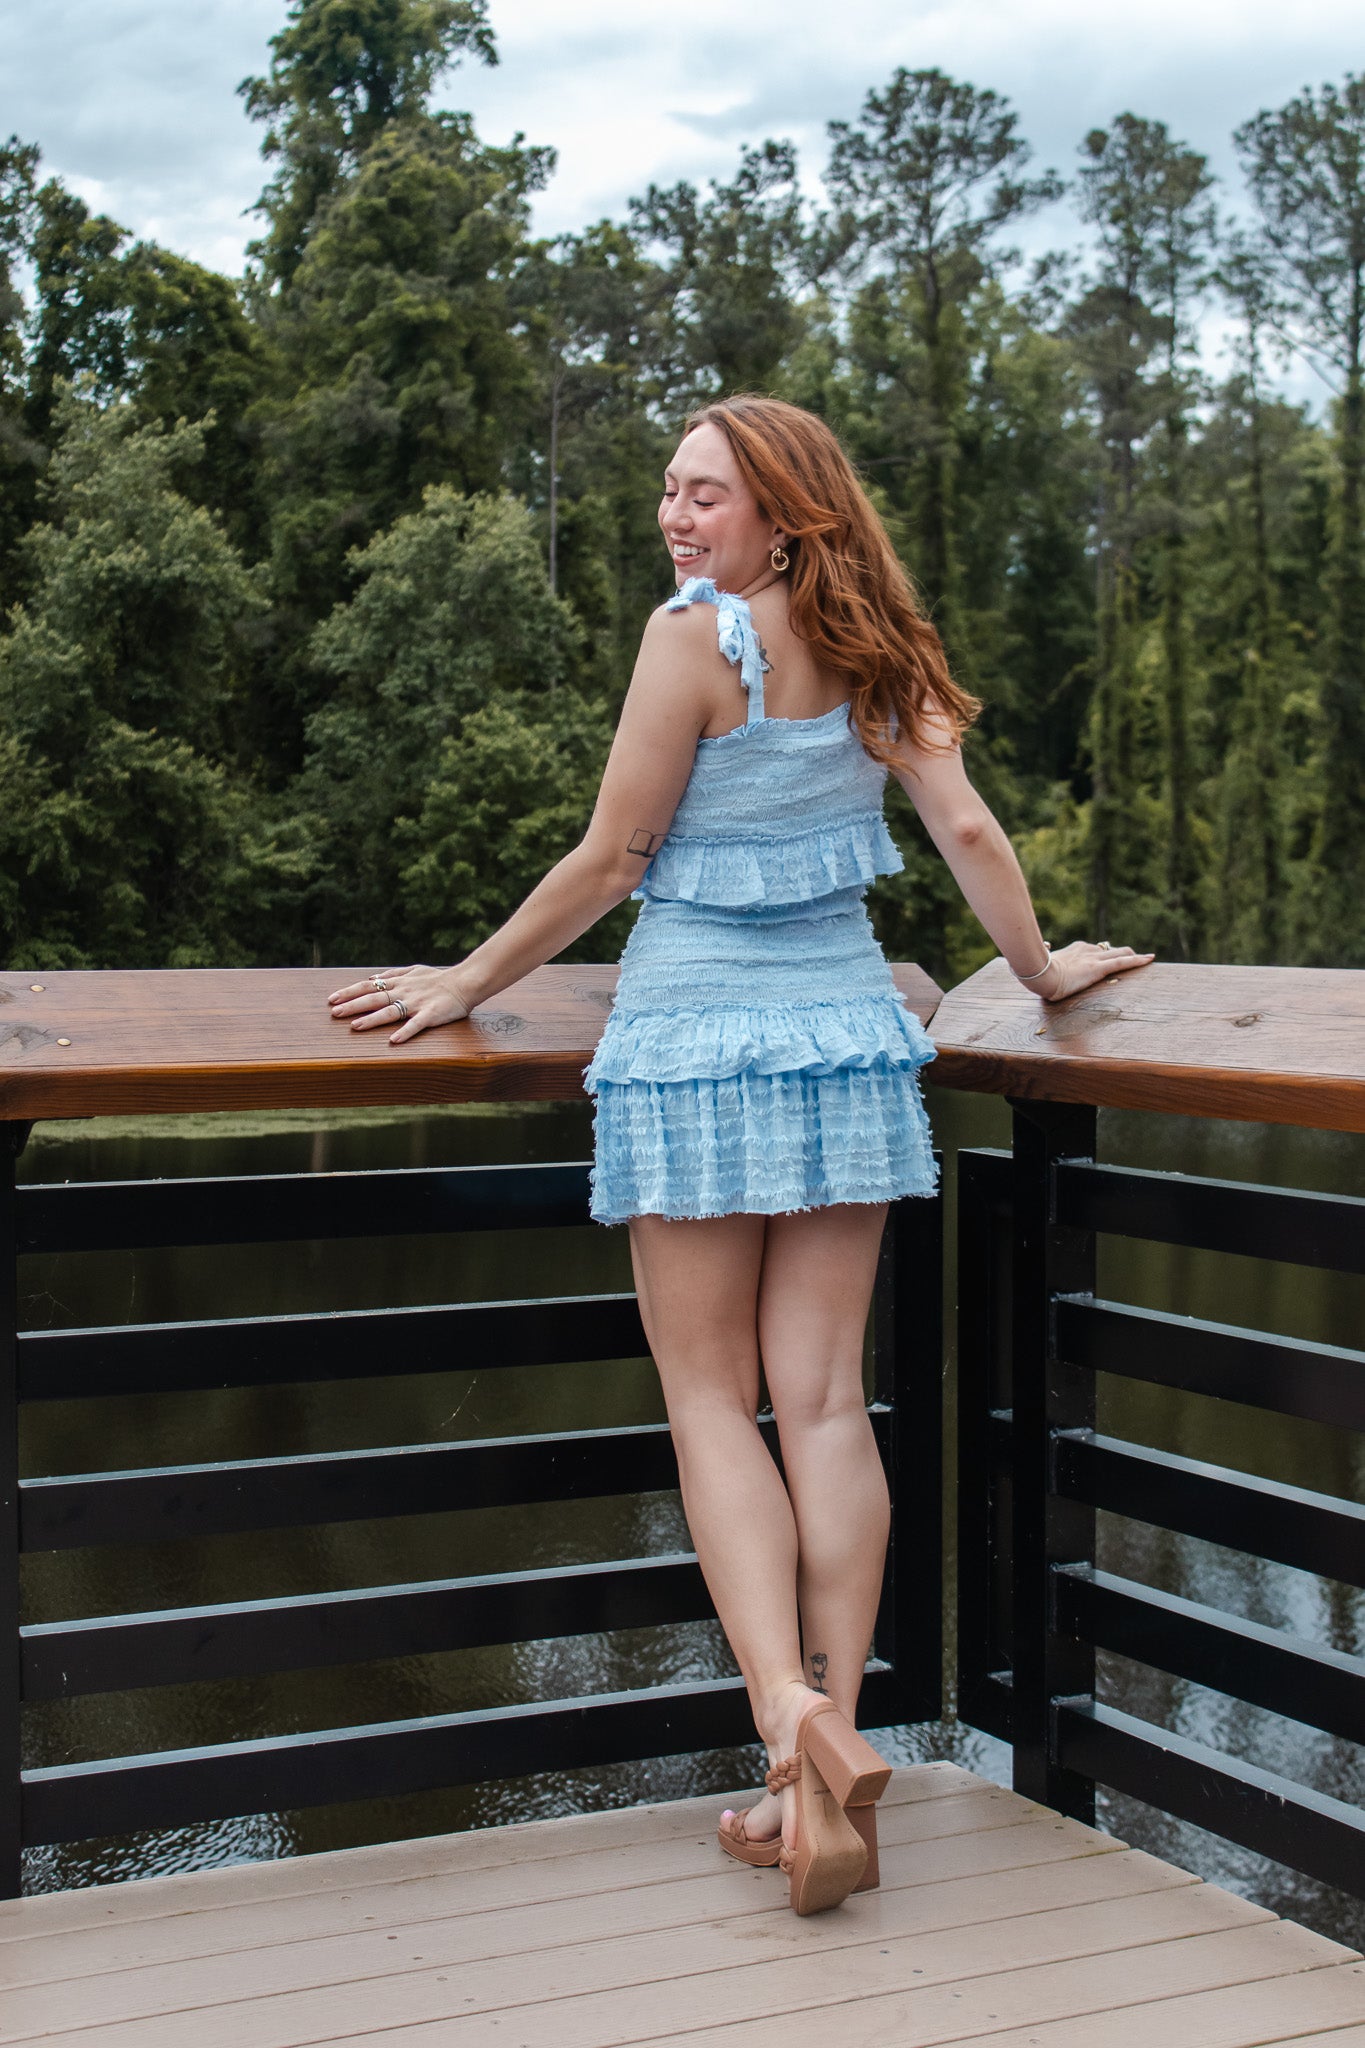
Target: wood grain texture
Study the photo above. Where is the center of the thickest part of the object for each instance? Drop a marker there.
(263, 1038)
(1270, 1045)
(1281, 1045)
(996, 1920)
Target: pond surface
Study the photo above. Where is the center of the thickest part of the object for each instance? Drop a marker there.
(121, 1287)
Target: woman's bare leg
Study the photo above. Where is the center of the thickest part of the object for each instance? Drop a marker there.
(698, 1284)
(819, 1266)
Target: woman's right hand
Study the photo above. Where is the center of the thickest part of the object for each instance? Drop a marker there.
(1081, 964)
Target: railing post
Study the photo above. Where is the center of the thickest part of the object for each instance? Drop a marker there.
(13, 1138)
(908, 1379)
(1049, 1259)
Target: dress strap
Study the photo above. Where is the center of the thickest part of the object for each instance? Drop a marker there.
(735, 633)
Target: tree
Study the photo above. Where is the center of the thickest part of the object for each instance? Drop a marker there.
(506, 800)
(81, 318)
(451, 613)
(926, 180)
(1118, 332)
(192, 353)
(21, 453)
(1148, 197)
(341, 73)
(127, 840)
(731, 268)
(1305, 164)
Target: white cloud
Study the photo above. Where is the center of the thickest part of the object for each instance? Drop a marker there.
(133, 101)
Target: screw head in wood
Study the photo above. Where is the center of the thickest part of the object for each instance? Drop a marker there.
(63, 1041)
(37, 987)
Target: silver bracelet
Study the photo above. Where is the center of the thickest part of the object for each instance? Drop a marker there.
(1041, 971)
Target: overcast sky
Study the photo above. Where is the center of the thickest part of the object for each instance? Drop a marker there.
(133, 101)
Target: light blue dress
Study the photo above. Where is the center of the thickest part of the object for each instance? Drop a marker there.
(758, 1057)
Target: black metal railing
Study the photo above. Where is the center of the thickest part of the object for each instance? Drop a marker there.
(65, 1659)
(1033, 1472)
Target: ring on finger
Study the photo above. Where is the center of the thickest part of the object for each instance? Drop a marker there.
(402, 1009)
(378, 983)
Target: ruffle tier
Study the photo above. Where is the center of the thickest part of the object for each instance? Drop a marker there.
(744, 873)
(718, 1042)
(758, 1143)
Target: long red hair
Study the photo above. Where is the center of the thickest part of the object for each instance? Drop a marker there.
(851, 599)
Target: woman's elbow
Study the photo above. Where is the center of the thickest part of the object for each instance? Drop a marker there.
(968, 829)
(609, 874)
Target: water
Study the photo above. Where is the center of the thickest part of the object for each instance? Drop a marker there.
(116, 1287)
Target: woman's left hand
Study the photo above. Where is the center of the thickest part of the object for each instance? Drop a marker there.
(1081, 964)
(430, 995)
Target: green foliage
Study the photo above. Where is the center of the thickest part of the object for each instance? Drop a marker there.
(125, 840)
(321, 589)
(452, 612)
(137, 600)
(342, 73)
(511, 796)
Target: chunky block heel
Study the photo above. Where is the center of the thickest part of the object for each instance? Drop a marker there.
(830, 1856)
(864, 1819)
(849, 1765)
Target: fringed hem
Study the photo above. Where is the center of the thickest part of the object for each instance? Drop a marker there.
(759, 1144)
(681, 1045)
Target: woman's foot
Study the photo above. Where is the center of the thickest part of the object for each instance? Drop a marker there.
(738, 1840)
(778, 1731)
(762, 1820)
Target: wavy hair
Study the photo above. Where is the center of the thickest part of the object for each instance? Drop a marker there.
(851, 599)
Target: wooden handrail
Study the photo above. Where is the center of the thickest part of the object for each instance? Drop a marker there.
(1262, 1044)
(124, 1042)
(1276, 1045)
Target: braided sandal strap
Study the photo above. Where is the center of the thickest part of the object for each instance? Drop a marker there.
(786, 1860)
(783, 1774)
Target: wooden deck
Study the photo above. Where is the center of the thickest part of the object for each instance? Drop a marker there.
(996, 1921)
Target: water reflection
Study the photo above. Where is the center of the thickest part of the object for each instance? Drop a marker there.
(478, 1400)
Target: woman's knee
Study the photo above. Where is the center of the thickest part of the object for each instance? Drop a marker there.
(816, 1393)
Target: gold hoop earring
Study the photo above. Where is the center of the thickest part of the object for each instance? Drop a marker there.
(780, 559)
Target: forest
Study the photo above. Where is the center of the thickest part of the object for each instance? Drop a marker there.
(321, 586)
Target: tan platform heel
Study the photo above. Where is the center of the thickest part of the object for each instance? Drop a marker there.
(847, 1762)
(864, 1819)
(830, 1855)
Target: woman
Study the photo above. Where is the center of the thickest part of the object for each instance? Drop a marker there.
(757, 1099)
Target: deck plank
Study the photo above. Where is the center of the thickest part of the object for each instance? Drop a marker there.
(424, 1855)
(1032, 1849)
(581, 1869)
(638, 1935)
(830, 1987)
(996, 1920)
(749, 1969)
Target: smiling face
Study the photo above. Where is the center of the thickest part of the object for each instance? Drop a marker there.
(710, 519)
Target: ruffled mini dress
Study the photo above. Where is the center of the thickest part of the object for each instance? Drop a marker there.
(758, 1057)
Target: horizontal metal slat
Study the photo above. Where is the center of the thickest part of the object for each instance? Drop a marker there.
(280, 1207)
(1319, 1382)
(1285, 1674)
(249, 1638)
(174, 1788)
(1314, 1532)
(180, 1501)
(141, 1358)
(1266, 1813)
(1304, 1228)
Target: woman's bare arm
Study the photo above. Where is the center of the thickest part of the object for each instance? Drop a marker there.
(670, 699)
(986, 869)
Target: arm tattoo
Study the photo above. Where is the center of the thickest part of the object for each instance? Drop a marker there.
(643, 842)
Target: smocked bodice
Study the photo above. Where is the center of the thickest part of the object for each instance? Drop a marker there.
(781, 810)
